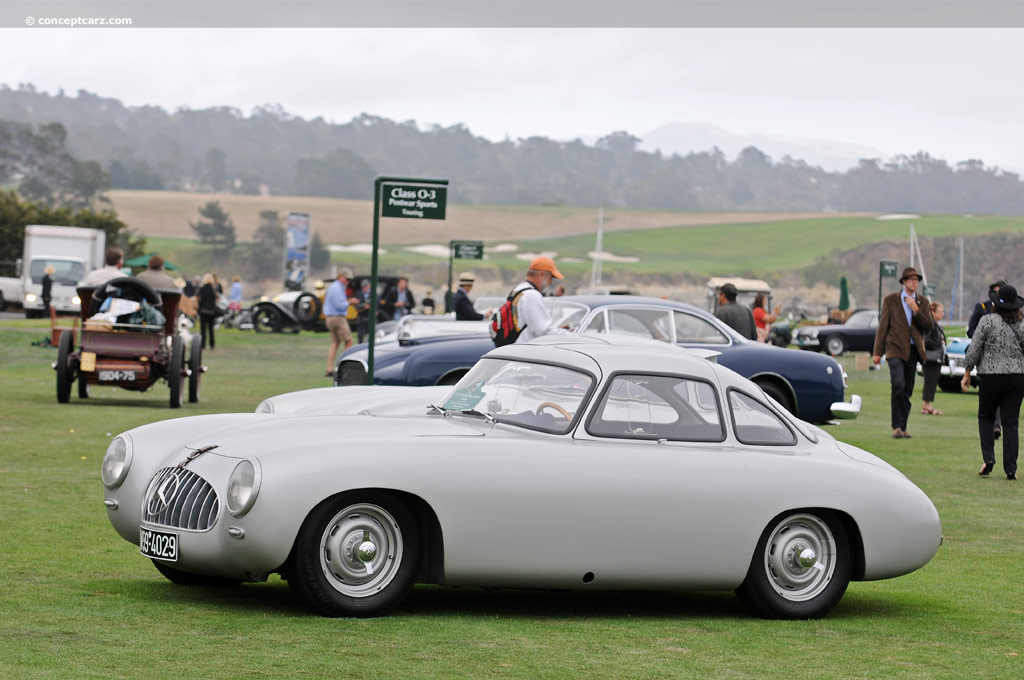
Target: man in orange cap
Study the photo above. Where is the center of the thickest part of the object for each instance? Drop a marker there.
(532, 318)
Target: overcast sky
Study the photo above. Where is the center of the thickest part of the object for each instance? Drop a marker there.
(956, 93)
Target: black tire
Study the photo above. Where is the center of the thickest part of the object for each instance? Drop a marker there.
(306, 308)
(175, 379)
(328, 574)
(834, 345)
(778, 394)
(195, 366)
(83, 387)
(266, 318)
(184, 578)
(783, 581)
(64, 370)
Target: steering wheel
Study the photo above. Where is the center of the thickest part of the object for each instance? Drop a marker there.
(555, 406)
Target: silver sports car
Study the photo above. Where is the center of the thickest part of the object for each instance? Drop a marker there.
(578, 462)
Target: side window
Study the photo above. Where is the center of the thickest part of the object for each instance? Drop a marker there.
(596, 324)
(658, 407)
(756, 424)
(645, 323)
(695, 330)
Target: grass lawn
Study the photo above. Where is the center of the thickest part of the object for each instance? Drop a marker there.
(698, 249)
(77, 601)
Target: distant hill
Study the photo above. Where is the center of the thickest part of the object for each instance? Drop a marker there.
(686, 138)
(273, 152)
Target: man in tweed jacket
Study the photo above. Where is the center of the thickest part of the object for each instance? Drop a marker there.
(903, 320)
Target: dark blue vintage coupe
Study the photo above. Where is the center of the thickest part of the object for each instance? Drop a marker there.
(809, 385)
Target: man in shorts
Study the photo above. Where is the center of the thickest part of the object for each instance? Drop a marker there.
(336, 304)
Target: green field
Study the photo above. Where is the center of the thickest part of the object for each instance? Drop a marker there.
(77, 601)
(764, 249)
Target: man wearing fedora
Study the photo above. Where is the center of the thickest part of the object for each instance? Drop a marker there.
(464, 310)
(997, 351)
(903, 320)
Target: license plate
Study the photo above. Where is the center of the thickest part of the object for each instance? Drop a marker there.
(159, 544)
(116, 376)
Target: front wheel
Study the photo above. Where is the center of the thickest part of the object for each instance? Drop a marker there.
(174, 377)
(779, 395)
(800, 568)
(835, 345)
(195, 367)
(267, 319)
(355, 555)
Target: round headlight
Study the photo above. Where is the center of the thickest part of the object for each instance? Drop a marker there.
(30, 297)
(117, 461)
(243, 487)
(266, 406)
(76, 300)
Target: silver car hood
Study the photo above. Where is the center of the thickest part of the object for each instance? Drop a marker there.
(264, 435)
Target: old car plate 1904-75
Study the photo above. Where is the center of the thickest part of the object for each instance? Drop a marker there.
(159, 544)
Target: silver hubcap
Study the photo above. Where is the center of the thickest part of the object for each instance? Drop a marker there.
(835, 345)
(360, 550)
(800, 557)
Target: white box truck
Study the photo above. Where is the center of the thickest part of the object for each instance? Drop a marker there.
(73, 252)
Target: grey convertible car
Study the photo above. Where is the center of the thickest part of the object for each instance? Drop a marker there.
(574, 462)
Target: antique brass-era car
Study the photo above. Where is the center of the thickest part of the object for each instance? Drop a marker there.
(129, 352)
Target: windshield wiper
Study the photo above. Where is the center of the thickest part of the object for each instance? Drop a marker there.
(440, 409)
(474, 412)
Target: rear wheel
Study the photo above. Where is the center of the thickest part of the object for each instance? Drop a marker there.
(184, 578)
(195, 366)
(175, 379)
(800, 568)
(306, 308)
(64, 372)
(835, 345)
(356, 555)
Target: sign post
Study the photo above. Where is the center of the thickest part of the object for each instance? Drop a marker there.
(460, 250)
(402, 197)
(886, 270)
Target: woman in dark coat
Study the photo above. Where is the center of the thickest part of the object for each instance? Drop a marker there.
(996, 349)
(208, 310)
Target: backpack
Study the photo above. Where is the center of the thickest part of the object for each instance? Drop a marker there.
(504, 321)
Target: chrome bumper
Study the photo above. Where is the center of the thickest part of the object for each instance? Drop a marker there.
(843, 410)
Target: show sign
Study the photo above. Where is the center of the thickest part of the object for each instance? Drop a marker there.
(415, 198)
(415, 201)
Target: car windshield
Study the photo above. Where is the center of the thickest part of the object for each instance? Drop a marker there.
(535, 396)
(68, 272)
(568, 314)
(862, 319)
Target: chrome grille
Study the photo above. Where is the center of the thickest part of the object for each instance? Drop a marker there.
(181, 499)
(351, 373)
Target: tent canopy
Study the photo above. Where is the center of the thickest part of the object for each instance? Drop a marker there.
(143, 261)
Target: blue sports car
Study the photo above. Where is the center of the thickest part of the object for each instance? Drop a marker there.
(809, 385)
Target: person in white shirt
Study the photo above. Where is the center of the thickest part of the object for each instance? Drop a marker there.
(114, 261)
(532, 318)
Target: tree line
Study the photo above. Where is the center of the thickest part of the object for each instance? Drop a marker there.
(221, 149)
